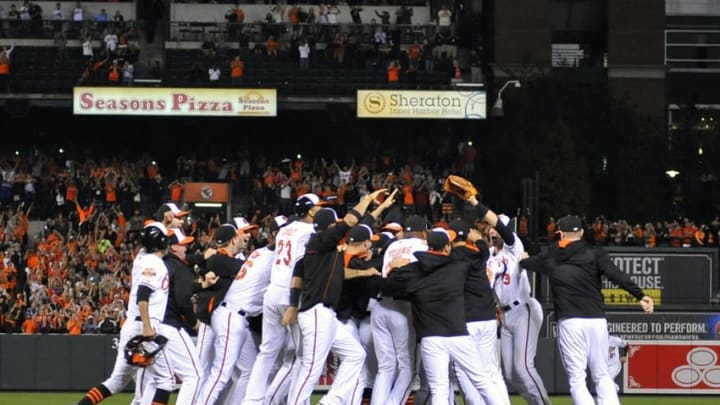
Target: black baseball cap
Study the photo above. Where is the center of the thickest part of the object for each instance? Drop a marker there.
(438, 238)
(416, 223)
(461, 228)
(324, 218)
(224, 234)
(361, 233)
(569, 223)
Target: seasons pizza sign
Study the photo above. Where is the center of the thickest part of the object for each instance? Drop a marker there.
(174, 101)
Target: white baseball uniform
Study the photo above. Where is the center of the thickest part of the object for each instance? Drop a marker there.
(393, 334)
(257, 268)
(230, 325)
(290, 245)
(122, 372)
(614, 364)
(180, 348)
(522, 319)
(149, 270)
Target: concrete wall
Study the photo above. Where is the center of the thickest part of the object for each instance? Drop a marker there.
(76, 363)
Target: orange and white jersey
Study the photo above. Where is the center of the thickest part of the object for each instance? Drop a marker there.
(247, 290)
(290, 245)
(508, 280)
(149, 270)
(402, 249)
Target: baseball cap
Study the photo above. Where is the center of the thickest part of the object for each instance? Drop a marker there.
(393, 227)
(172, 207)
(305, 202)
(504, 219)
(383, 238)
(569, 223)
(278, 222)
(395, 215)
(158, 225)
(416, 223)
(361, 233)
(224, 234)
(177, 237)
(461, 228)
(324, 218)
(242, 224)
(438, 238)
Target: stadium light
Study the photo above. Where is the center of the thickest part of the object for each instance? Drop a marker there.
(497, 109)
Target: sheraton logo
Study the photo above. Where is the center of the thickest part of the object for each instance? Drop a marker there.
(374, 102)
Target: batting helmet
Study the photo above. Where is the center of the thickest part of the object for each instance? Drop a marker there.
(154, 237)
(141, 350)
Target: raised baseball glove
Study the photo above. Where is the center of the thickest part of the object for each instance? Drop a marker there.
(459, 186)
(140, 351)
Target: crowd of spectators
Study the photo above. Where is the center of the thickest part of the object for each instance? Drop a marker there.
(73, 275)
(678, 232)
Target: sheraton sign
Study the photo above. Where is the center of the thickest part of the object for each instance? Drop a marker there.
(421, 104)
(174, 101)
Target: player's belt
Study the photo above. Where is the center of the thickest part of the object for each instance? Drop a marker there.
(239, 311)
(510, 306)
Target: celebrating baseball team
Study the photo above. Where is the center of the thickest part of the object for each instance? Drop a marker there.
(408, 310)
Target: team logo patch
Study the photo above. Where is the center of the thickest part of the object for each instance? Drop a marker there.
(148, 272)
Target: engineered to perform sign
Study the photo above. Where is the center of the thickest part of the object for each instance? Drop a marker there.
(421, 104)
(174, 101)
(635, 325)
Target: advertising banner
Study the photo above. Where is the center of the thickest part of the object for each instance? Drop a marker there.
(667, 367)
(174, 101)
(671, 276)
(421, 104)
(658, 326)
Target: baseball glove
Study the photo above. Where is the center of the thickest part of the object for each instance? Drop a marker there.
(459, 186)
(140, 351)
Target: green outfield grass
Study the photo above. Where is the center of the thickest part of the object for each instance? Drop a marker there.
(70, 398)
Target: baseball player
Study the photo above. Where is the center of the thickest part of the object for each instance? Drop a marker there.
(354, 307)
(480, 307)
(289, 248)
(208, 299)
(314, 297)
(170, 215)
(575, 270)
(617, 356)
(239, 300)
(146, 309)
(435, 285)
(392, 331)
(179, 349)
(522, 314)
(249, 287)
